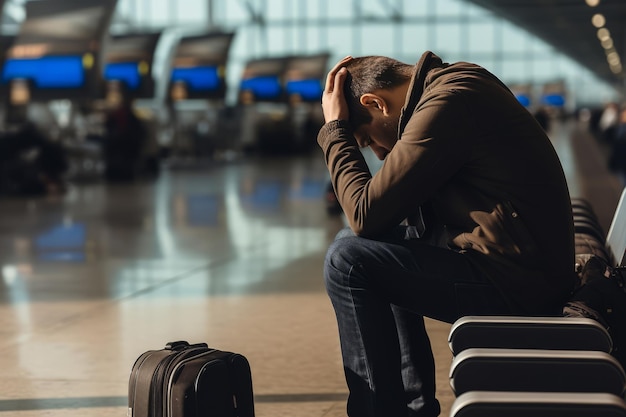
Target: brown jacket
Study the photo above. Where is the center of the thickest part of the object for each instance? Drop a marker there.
(475, 159)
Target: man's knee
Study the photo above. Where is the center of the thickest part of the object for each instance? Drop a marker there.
(343, 233)
(341, 256)
(342, 251)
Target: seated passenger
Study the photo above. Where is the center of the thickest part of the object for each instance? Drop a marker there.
(31, 163)
(617, 156)
(125, 139)
(469, 215)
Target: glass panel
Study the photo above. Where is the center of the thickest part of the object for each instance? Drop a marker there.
(449, 7)
(543, 69)
(340, 9)
(416, 8)
(414, 42)
(515, 71)
(514, 39)
(537, 46)
(235, 11)
(568, 67)
(124, 8)
(477, 12)
(163, 13)
(481, 37)
(313, 9)
(192, 12)
(320, 25)
(486, 61)
(246, 43)
(277, 9)
(340, 37)
(279, 41)
(448, 40)
(375, 8)
(314, 40)
(375, 39)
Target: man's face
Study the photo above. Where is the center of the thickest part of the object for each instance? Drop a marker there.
(380, 135)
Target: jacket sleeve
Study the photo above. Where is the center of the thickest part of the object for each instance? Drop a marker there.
(432, 148)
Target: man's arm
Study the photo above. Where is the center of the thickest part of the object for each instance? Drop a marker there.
(433, 147)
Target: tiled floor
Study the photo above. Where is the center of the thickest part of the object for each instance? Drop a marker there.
(229, 254)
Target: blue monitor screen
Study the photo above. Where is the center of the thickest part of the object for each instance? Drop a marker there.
(556, 100)
(127, 72)
(62, 236)
(264, 87)
(47, 71)
(197, 78)
(524, 99)
(309, 90)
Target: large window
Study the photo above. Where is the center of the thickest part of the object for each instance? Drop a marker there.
(403, 29)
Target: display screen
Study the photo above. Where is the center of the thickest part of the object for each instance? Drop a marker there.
(132, 47)
(203, 50)
(523, 99)
(556, 100)
(128, 72)
(303, 76)
(204, 78)
(309, 90)
(263, 87)
(62, 27)
(47, 71)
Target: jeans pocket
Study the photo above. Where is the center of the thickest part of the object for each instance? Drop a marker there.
(479, 299)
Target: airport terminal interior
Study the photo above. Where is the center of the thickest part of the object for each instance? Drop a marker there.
(160, 178)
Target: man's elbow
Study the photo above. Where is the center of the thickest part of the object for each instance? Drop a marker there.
(362, 229)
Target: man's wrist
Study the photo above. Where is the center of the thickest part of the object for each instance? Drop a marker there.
(339, 123)
(339, 129)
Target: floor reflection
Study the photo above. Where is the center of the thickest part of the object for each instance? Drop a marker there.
(113, 240)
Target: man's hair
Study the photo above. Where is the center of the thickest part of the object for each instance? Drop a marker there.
(368, 74)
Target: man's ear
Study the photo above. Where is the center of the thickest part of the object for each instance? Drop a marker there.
(374, 102)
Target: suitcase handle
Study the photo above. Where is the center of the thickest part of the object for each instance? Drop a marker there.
(182, 344)
(176, 345)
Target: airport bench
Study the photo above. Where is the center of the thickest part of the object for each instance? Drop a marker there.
(543, 366)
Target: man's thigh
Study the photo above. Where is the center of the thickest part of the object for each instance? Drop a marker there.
(430, 281)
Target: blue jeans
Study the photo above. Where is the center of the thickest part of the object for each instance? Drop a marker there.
(381, 290)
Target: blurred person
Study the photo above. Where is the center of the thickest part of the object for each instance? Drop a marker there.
(468, 215)
(125, 136)
(31, 164)
(608, 122)
(617, 158)
(543, 118)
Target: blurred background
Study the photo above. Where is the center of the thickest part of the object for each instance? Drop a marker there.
(160, 177)
(207, 79)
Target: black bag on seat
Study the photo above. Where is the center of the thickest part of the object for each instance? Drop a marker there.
(184, 380)
(602, 296)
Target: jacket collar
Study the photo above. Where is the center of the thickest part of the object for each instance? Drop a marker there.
(427, 62)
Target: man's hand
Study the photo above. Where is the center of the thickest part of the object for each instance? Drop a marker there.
(333, 101)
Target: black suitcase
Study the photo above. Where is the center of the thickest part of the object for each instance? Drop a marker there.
(184, 380)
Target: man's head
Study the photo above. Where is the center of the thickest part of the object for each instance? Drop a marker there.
(375, 90)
